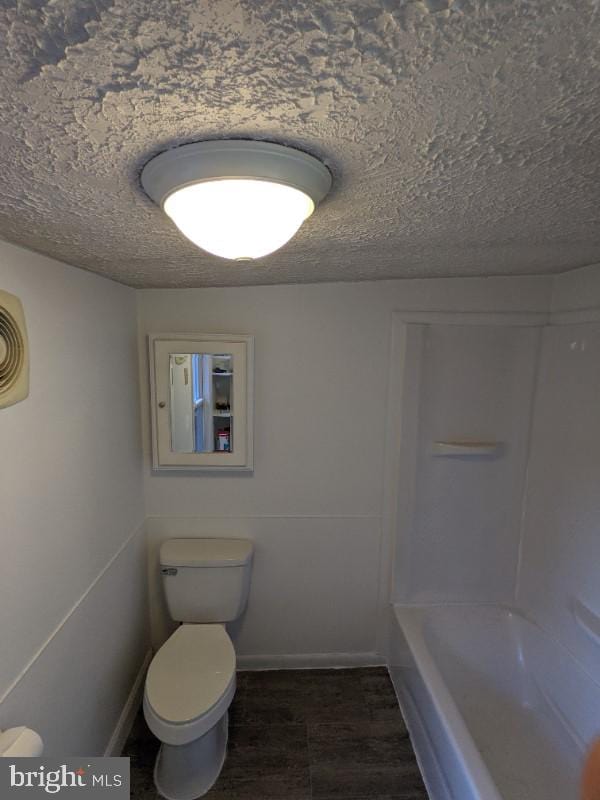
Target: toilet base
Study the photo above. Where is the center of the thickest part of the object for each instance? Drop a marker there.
(185, 772)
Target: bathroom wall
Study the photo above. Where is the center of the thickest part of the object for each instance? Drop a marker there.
(73, 617)
(558, 583)
(314, 502)
(577, 290)
(458, 531)
(73, 496)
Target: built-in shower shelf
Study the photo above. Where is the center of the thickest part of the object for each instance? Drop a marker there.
(462, 448)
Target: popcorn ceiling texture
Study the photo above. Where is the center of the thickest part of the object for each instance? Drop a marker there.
(463, 135)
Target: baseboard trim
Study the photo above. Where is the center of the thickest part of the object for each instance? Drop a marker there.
(309, 661)
(130, 709)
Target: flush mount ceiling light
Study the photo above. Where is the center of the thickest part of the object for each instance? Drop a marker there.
(236, 199)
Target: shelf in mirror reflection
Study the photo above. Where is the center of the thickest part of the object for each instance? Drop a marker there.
(201, 397)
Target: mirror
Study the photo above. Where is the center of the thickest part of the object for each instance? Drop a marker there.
(201, 406)
(201, 394)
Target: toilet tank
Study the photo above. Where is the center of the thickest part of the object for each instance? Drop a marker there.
(206, 580)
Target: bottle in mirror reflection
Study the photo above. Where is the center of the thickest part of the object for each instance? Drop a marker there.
(201, 402)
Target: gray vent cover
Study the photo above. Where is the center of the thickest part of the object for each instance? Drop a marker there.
(14, 355)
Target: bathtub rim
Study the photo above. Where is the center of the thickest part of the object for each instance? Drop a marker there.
(511, 610)
(410, 619)
(475, 771)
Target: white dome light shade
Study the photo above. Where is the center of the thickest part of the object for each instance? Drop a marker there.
(238, 218)
(236, 199)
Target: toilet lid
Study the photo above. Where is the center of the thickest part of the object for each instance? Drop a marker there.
(190, 672)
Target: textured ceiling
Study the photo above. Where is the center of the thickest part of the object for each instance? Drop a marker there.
(463, 135)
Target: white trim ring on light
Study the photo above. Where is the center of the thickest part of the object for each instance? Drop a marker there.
(234, 158)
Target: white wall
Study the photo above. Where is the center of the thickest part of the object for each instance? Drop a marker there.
(558, 582)
(459, 533)
(314, 503)
(73, 611)
(577, 290)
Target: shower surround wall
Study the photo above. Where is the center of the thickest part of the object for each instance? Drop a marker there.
(558, 584)
(472, 677)
(520, 529)
(73, 617)
(474, 383)
(314, 502)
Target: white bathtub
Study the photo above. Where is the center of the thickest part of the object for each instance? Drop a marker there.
(497, 710)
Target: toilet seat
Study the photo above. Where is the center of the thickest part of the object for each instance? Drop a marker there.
(190, 683)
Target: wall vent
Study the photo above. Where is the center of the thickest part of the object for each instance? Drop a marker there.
(14, 352)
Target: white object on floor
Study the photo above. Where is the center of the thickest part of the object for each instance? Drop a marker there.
(191, 681)
(20, 742)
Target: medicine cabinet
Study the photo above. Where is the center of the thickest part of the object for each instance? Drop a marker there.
(201, 401)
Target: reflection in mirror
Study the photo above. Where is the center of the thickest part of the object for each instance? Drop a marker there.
(201, 402)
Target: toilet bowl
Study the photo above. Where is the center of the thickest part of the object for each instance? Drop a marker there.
(189, 687)
(191, 681)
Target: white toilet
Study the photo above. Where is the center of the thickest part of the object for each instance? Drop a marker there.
(191, 681)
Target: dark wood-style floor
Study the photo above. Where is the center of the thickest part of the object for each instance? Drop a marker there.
(304, 735)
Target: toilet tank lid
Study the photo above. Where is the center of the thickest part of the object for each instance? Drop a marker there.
(205, 552)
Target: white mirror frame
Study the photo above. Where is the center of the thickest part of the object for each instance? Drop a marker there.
(241, 459)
